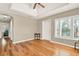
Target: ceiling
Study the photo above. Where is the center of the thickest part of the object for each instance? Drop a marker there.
(39, 12)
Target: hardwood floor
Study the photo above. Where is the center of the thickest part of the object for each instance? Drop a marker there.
(38, 48)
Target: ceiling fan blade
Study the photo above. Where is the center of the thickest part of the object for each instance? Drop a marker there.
(34, 5)
(41, 5)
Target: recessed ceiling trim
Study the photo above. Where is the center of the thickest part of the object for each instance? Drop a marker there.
(59, 10)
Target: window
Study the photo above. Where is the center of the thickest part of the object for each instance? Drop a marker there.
(67, 27)
(76, 28)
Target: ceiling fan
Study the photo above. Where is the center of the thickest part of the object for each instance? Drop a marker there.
(38, 4)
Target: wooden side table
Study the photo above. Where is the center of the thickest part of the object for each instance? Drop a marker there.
(37, 36)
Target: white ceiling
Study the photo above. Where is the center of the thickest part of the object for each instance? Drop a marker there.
(5, 5)
(28, 8)
(39, 12)
(48, 7)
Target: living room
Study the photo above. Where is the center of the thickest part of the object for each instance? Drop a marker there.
(57, 25)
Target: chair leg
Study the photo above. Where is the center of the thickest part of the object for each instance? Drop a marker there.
(75, 45)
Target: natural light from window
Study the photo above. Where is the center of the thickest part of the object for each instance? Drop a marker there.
(67, 27)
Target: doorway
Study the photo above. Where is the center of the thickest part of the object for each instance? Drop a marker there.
(5, 26)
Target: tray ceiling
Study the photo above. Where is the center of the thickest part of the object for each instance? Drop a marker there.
(38, 12)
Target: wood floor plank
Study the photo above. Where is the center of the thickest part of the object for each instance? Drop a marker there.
(38, 48)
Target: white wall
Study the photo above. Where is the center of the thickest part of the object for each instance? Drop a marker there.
(46, 29)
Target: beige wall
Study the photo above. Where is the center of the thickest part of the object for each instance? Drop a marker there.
(24, 28)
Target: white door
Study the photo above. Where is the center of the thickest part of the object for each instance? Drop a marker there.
(46, 29)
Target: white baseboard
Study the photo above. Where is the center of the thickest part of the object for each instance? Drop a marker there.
(50, 41)
(64, 44)
(22, 41)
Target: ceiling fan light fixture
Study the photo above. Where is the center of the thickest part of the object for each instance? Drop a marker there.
(34, 9)
(38, 4)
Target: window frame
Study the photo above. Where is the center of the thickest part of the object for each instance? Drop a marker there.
(73, 18)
